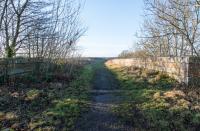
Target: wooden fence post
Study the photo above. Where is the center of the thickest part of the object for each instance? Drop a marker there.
(6, 76)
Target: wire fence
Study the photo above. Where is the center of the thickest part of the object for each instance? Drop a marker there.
(14, 67)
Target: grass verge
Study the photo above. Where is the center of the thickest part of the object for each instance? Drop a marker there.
(46, 106)
(152, 103)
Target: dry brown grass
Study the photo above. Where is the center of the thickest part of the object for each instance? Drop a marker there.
(163, 103)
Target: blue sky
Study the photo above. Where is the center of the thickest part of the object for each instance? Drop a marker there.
(112, 25)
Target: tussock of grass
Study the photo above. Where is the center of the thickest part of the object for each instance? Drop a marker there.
(32, 94)
(151, 102)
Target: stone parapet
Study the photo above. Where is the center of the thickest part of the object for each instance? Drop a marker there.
(183, 69)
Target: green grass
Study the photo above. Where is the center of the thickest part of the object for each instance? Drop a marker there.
(151, 103)
(48, 107)
(66, 110)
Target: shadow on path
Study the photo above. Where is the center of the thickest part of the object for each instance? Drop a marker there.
(105, 95)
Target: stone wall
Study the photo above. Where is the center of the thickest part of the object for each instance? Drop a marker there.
(185, 70)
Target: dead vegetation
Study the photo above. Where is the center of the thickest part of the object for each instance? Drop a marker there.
(45, 104)
(154, 101)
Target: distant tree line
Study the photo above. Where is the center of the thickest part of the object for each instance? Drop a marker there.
(170, 28)
(134, 54)
(39, 28)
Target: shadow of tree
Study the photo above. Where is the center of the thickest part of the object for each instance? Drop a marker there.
(151, 102)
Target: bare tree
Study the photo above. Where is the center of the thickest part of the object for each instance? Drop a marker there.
(173, 28)
(39, 28)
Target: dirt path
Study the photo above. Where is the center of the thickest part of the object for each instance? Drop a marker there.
(105, 95)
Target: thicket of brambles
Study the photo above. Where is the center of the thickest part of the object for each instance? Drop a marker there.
(170, 28)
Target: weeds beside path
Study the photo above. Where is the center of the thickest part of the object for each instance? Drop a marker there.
(152, 101)
(45, 106)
